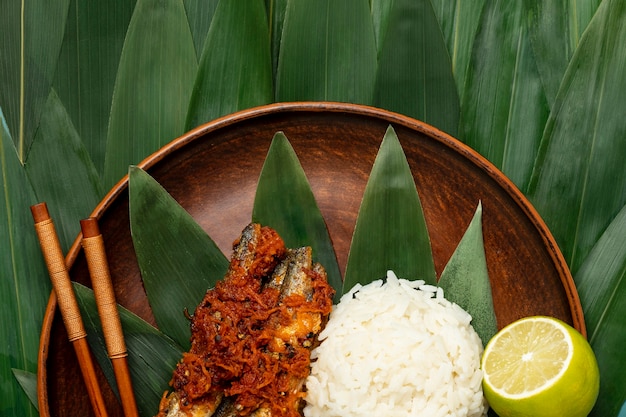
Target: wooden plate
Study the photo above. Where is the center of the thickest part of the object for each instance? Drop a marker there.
(213, 170)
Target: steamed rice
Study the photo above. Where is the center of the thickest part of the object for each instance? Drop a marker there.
(396, 349)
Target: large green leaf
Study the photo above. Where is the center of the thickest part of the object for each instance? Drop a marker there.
(71, 189)
(601, 283)
(328, 52)
(459, 21)
(579, 181)
(153, 85)
(32, 32)
(465, 279)
(390, 231)
(414, 72)
(285, 202)
(177, 259)
(87, 65)
(504, 108)
(235, 68)
(200, 14)
(152, 356)
(24, 283)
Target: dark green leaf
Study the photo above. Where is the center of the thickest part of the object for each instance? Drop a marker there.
(459, 21)
(24, 283)
(579, 180)
(200, 14)
(601, 283)
(32, 32)
(414, 71)
(390, 232)
(328, 52)
(153, 85)
(465, 280)
(71, 189)
(152, 356)
(504, 108)
(276, 10)
(177, 259)
(87, 65)
(380, 18)
(28, 382)
(235, 68)
(285, 202)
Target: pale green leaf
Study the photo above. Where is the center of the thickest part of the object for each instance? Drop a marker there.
(24, 283)
(328, 52)
(152, 356)
(414, 74)
(153, 85)
(87, 65)
(504, 108)
(177, 259)
(390, 231)
(284, 201)
(71, 189)
(601, 283)
(235, 68)
(465, 280)
(28, 382)
(459, 21)
(579, 180)
(380, 19)
(32, 32)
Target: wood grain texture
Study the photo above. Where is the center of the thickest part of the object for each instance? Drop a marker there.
(212, 172)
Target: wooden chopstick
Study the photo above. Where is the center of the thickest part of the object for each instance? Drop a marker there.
(93, 245)
(55, 262)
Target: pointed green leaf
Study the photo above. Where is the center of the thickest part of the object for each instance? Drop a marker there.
(465, 280)
(71, 189)
(235, 68)
(380, 18)
(284, 201)
(328, 52)
(200, 14)
(579, 180)
(390, 231)
(276, 10)
(504, 108)
(28, 382)
(459, 21)
(87, 66)
(32, 32)
(601, 283)
(152, 356)
(414, 71)
(24, 283)
(153, 85)
(177, 259)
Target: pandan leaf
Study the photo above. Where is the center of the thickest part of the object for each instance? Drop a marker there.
(414, 74)
(459, 21)
(601, 284)
(60, 184)
(153, 85)
(390, 231)
(177, 259)
(327, 52)
(87, 66)
(24, 283)
(504, 108)
(28, 382)
(276, 10)
(579, 181)
(284, 201)
(152, 356)
(235, 69)
(200, 14)
(32, 33)
(465, 280)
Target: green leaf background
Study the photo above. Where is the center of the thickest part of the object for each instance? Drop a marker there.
(87, 89)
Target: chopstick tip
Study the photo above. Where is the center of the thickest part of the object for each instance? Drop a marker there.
(40, 212)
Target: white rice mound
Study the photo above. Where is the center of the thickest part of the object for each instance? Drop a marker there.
(396, 349)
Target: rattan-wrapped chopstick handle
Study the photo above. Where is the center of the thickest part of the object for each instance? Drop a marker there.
(95, 253)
